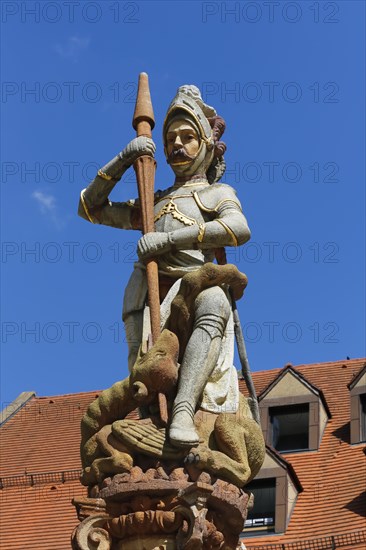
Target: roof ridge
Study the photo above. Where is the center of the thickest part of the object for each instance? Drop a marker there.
(15, 406)
(286, 365)
(339, 361)
(68, 394)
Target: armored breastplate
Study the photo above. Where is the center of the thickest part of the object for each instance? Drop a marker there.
(178, 208)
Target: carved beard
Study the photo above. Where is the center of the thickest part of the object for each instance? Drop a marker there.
(179, 155)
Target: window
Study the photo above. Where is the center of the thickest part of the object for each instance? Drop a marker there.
(290, 427)
(363, 416)
(262, 516)
(358, 407)
(275, 492)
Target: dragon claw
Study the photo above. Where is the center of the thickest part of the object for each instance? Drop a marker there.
(192, 458)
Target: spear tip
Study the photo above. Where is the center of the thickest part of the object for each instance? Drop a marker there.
(143, 110)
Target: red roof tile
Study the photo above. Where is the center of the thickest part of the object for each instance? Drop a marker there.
(44, 436)
(40, 517)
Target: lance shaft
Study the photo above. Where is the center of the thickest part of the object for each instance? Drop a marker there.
(240, 342)
(145, 166)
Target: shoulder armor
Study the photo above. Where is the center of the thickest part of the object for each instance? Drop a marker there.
(161, 193)
(218, 195)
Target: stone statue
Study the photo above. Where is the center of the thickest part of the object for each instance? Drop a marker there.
(238, 452)
(211, 427)
(193, 217)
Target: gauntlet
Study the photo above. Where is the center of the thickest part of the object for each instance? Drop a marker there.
(118, 165)
(97, 192)
(153, 244)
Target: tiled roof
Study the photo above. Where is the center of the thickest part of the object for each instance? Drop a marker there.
(297, 374)
(43, 438)
(40, 517)
(334, 477)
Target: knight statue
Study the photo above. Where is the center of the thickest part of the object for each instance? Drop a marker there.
(167, 452)
(194, 218)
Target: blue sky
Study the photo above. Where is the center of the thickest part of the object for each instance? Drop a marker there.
(288, 77)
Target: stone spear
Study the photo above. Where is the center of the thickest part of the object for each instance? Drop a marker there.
(143, 122)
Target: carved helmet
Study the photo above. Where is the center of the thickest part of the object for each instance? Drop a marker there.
(188, 105)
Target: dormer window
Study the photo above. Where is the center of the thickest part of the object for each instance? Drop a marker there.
(275, 491)
(294, 413)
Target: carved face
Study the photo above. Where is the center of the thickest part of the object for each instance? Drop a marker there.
(182, 143)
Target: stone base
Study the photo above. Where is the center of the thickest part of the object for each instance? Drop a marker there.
(148, 543)
(162, 515)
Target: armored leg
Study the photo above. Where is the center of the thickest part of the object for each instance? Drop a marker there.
(212, 311)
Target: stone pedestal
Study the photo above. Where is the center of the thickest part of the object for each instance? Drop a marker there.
(161, 514)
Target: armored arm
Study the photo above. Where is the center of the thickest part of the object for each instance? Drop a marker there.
(94, 205)
(227, 227)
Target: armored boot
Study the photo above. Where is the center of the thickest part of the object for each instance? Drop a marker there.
(200, 358)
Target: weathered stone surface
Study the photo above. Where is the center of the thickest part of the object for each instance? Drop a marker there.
(182, 308)
(196, 516)
(117, 490)
(178, 472)
(101, 453)
(148, 543)
(230, 444)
